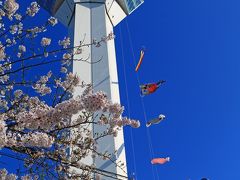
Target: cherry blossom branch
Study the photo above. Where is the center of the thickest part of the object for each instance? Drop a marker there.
(54, 52)
(46, 63)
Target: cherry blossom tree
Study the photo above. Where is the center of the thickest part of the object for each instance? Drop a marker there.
(36, 112)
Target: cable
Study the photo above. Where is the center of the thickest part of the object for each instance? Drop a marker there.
(128, 104)
(142, 102)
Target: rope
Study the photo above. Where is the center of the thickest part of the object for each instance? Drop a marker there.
(142, 103)
(128, 104)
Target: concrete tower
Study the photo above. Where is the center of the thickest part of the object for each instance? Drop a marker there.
(93, 19)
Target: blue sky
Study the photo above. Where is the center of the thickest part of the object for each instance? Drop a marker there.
(194, 45)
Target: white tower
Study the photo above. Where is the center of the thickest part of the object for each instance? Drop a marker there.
(93, 19)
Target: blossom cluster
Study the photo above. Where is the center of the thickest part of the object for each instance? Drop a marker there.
(95, 101)
(45, 41)
(52, 21)
(16, 28)
(42, 116)
(41, 86)
(2, 52)
(37, 139)
(32, 139)
(65, 42)
(33, 9)
(70, 82)
(11, 138)
(35, 31)
(120, 122)
(10, 7)
(3, 130)
(21, 50)
(5, 176)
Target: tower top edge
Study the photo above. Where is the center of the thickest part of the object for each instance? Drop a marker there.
(52, 6)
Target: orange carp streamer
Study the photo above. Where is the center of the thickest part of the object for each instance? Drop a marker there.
(160, 160)
(140, 60)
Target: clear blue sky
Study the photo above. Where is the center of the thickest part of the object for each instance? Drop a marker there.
(195, 46)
